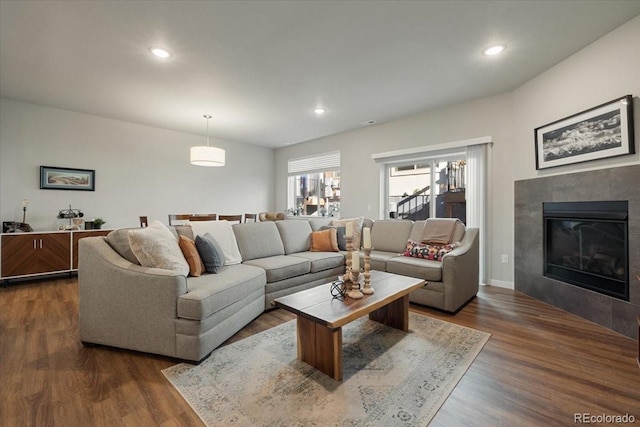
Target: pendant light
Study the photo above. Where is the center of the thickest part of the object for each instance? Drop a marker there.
(205, 155)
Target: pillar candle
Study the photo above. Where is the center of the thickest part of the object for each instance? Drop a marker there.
(355, 261)
(349, 229)
(366, 237)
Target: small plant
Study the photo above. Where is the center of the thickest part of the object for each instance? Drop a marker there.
(98, 222)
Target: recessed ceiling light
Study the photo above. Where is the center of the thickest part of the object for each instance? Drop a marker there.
(319, 110)
(160, 53)
(494, 50)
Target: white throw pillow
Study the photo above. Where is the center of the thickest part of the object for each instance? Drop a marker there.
(223, 235)
(155, 246)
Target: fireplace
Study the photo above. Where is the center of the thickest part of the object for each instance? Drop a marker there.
(586, 244)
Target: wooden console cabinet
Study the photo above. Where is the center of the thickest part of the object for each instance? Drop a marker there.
(30, 254)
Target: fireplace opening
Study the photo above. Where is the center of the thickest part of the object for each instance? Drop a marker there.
(586, 244)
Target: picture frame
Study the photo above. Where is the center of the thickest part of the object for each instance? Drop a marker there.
(597, 133)
(56, 178)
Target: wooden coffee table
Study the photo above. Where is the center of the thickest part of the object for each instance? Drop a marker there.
(321, 317)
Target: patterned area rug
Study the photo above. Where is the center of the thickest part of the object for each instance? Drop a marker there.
(391, 378)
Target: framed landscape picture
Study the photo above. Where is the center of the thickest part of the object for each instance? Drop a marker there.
(597, 133)
(54, 178)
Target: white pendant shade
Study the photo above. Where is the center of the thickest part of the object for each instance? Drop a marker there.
(203, 155)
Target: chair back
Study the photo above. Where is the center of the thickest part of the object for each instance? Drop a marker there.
(203, 217)
(143, 221)
(230, 218)
(178, 217)
(252, 217)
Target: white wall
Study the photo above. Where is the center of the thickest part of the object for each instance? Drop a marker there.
(605, 70)
(140, 170)
(360, 174)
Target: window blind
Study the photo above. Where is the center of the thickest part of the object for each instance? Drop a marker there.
(317, 163)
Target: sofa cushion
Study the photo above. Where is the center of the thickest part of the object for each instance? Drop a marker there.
(155, 246)
(210, 293)
(321, 261)
(223, 235)
(211, 253)
(258, 240)
(119, 242)
(281, 267)
(295, 235)
(416, 267)
(428, 251)
(379, 259)
(190, 252)
(390, 235)
(417, 231)
(183, 230)
(458, 233)
(324, 241)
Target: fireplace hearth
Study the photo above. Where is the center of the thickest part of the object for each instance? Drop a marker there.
(586, 244)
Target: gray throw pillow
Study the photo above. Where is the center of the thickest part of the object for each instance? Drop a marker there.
(210, 252)
(342, 243)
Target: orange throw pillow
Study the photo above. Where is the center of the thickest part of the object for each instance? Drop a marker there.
(324, 241)
(190, 252)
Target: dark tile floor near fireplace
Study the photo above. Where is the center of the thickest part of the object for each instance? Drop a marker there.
(615, 184)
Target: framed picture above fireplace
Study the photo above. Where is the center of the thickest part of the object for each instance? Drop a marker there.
(597, 133)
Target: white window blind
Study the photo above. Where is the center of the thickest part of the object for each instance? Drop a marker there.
(317, 163)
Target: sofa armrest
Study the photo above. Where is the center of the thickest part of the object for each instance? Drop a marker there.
(460, 271)
(123, 304)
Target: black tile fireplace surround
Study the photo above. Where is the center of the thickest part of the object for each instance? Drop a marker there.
(615, 184)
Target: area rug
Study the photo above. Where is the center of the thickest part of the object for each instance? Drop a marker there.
(391, 378)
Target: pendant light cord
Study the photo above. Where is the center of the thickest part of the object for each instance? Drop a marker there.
(206, 116)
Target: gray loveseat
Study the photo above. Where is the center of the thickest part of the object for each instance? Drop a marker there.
(451, 283)
(123, 304)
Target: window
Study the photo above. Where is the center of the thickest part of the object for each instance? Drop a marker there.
(430, 189)
(455, 174)
(314, 185)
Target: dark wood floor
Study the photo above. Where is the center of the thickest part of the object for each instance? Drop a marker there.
(540, 367)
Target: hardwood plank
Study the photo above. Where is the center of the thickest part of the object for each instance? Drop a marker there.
(540, 366)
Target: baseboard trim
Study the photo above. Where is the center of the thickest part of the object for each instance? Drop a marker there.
(502, 284)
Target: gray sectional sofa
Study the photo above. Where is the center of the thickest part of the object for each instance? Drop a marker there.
(125, 305)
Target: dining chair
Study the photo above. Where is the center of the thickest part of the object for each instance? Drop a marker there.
(248, 217)
(178, 217)
(230, 218)
(143, 221)
(203, 217)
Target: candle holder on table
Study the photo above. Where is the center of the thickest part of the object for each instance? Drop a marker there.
(367, 289)
(351, 276)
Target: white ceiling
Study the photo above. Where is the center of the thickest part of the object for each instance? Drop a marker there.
(261, 67)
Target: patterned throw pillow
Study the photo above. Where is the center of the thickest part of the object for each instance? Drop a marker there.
(426, 251)
(155, 246)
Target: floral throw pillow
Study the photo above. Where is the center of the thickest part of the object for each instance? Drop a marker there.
(426, 251)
